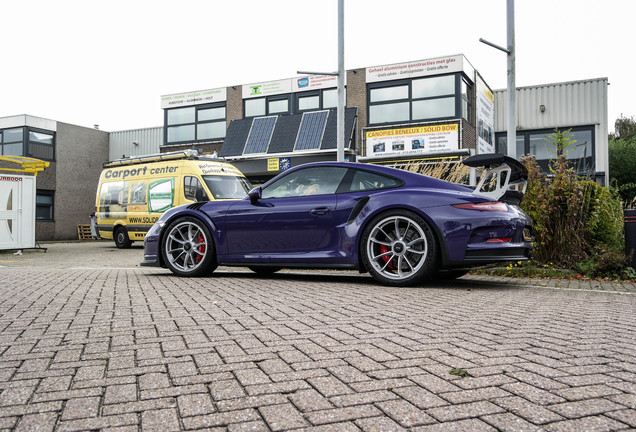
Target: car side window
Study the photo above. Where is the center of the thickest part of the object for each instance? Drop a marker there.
(190, 186)
(321, 180)
(365, 180)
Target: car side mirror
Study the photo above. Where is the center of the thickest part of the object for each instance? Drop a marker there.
(255, 194)
(200, 195)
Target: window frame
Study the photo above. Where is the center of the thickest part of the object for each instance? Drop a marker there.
(268, 99)
(292, 178)
(191, 184)
(467, 100)
(51, 207)
(195, 124)
(458, 100)
(526, 134)
(26, 141)
(347, 182)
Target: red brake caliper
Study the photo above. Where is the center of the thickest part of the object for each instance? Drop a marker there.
(384, 249)
(201, 248)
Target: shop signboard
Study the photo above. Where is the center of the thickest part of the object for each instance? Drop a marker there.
(314, 82)
(194, 98)
(290, 85)
(266, 88)
(278, 164)
(485, 117)
(409, 141)
(420, 68)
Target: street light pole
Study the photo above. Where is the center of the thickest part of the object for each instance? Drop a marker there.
(341, 78)
(511, 128)
(512, 90)
(340, 111)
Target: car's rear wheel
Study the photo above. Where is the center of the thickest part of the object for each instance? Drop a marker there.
(264, 271)
(122, 241)
(188, 248)
(398, 248)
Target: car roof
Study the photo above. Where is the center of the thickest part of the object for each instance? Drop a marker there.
(408, 177)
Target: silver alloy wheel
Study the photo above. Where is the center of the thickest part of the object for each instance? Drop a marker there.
(397, 247)
(186, 246)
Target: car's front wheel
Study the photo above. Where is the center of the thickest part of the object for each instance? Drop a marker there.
(398, 248)
(188, 248)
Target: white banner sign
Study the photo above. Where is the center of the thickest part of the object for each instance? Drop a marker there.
(410, 141)
(194, 98)
(291, 85)
(440, 65)
(485, 117)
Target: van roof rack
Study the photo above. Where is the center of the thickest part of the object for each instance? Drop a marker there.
(176, 155)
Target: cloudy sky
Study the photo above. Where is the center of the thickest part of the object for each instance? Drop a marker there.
(108, 62)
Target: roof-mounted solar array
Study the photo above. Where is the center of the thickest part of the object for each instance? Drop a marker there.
(312, 128)
(260, 135)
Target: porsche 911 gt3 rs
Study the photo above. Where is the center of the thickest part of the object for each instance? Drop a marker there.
(401, 227)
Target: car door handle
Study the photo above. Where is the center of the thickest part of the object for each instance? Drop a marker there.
(320, 211)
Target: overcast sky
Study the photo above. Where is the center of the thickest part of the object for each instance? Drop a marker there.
(108, 62)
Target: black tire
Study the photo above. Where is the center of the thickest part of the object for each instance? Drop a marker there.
(264, 271)
(398, 248)
(122, 241)
(188, 249)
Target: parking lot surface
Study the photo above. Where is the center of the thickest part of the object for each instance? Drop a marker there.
(91, 341)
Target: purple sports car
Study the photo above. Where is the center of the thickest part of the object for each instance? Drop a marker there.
(401, 227)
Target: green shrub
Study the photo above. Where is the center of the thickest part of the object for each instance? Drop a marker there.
(577, 223)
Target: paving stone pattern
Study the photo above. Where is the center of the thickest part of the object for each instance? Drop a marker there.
(142, 350)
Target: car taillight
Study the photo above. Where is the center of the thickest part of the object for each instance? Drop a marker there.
(486, 206)
(499, 240)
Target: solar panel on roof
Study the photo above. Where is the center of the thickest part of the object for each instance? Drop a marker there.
(312, 128)
(260, 135)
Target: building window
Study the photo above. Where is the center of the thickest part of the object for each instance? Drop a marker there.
(40, 145)
(269, 105)
(431, 98)
(11, 142)
(537, 143)
(467, 101)
(278, 106)
(255, 107)
(308, 101)
(44, 205)
(291, 103)
(26, 141)
(195, 123)
(330, 98)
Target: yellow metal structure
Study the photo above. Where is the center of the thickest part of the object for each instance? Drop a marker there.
(28, 165)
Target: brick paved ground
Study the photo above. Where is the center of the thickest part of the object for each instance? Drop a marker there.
(89, 341)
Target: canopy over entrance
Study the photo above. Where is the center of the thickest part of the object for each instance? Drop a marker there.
(27, 164)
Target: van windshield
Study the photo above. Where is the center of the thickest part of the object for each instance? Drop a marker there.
(227, 187)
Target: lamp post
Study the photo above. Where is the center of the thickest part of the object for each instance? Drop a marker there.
(340, 111)
(511, 132)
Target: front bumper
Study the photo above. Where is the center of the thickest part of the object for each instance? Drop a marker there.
(151, 250)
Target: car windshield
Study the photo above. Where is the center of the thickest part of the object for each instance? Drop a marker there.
(227, 187)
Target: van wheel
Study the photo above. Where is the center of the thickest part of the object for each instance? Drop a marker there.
(188, 248)
(122, 241)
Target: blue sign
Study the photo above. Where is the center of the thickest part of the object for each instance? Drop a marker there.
(303, 82)
(284, 164)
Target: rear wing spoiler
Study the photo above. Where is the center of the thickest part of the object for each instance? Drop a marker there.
(505, 178)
